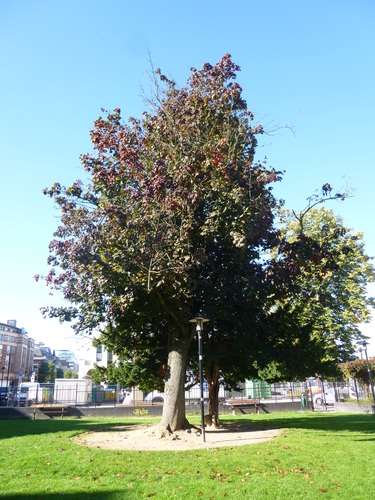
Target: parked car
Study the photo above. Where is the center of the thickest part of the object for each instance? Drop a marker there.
(349, 392)
(155, 397)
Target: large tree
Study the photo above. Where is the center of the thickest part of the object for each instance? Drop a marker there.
(173, 221)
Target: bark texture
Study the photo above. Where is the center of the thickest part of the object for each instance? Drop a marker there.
(212, 377)
(174, 413)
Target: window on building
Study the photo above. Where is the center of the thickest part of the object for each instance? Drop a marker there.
(99, 353)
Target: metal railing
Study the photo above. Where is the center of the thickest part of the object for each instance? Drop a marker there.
(254, 390)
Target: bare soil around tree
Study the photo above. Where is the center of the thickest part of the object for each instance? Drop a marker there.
(146, 438)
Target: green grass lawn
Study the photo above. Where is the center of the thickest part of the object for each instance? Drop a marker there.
(317, 455)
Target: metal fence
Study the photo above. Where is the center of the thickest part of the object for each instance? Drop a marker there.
(115, 395)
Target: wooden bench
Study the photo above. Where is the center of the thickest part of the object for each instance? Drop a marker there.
(242, 404)
(51, 410)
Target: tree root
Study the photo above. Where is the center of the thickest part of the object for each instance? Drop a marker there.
(164, 430)
(211, 422)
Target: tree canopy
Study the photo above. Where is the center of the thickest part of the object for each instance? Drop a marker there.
(325, 298)
(43, 372)
(175, 202)
(69, 373)
(46, 372)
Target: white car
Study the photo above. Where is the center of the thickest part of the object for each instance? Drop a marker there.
(352, 394)
(328, 397)
(155, 397)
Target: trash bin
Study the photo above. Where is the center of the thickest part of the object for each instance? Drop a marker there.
(304, 402)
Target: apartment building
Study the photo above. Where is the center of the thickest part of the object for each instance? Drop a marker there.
(91, 356)
(16, 354)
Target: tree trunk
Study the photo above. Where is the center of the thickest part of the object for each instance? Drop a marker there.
(174, 416)
(212, 377)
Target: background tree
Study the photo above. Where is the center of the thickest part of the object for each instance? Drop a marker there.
(43, 372)
(59, 373)
(51, 375)
(69, 373)
(176, 206)
(323, 298)
(98, 375)
(357, 369)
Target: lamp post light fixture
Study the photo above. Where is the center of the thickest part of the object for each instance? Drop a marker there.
(364, 344)
(199, 321)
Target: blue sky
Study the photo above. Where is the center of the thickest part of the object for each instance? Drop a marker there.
(308, 64)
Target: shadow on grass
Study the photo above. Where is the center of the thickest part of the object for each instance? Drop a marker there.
(364, 423)
(313, 421)
(19, 428)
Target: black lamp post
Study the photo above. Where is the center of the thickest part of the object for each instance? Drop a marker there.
(369, 373)
(199, 321)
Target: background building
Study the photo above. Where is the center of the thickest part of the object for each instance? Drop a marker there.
(16, 354)
(91, 356)
(68, 358)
